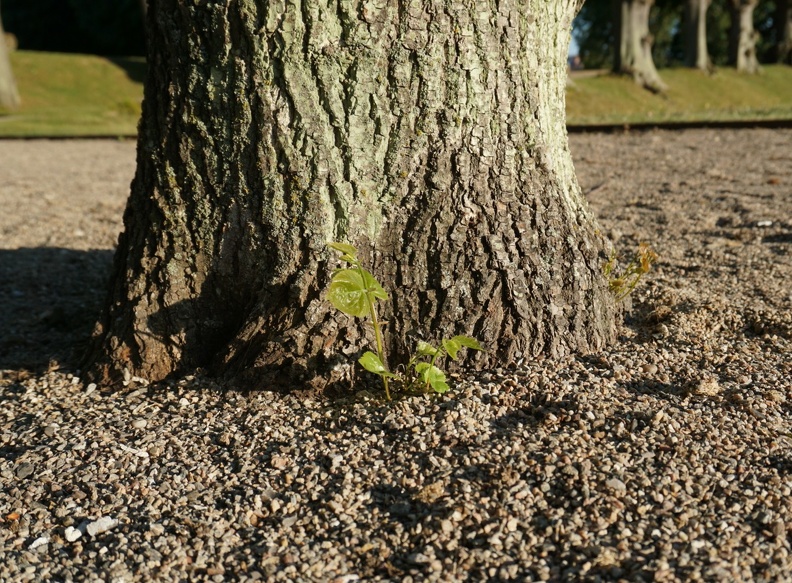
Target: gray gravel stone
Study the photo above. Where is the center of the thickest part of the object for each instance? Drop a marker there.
(24, 470)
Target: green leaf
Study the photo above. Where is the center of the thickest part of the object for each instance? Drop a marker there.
(433, 376)
(440, 387)
(467, 342)
(373, 286)
(426, 349)
(451, 347)
(344, 248)
(372, 363)
(348, 293)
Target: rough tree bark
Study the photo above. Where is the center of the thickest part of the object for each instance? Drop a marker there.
(429, 134)
(783, 31)
(9, 96)
(633, 53)
(743, 36)
(695, 22)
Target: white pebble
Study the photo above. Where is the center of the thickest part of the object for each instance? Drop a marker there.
(39, 542)
(101, 525)
(72, 534)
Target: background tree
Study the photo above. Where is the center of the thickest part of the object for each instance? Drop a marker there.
(430, 135)
(696, 53)
(9, 96)
(633, 54)
(782, 27)
(595, 29)
(743, 36)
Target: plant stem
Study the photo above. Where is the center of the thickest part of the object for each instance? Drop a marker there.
(431, 364)
(377, 335)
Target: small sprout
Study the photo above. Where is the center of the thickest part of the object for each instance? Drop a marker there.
(621, 286)
(355, 291)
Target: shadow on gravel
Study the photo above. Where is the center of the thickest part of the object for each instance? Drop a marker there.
(674, 390)
(49, 301)
(781, 238)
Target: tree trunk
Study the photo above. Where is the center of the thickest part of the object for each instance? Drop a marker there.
(9, 96)
(783, 31)
(430, 135)
(633, 55)
(743, 36)
(696, 53)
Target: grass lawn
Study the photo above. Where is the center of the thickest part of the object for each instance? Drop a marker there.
(86, 95)
(74, 95)
(691, 96)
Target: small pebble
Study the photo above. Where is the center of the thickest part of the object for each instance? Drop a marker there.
(72, 534)
(39, 542)
(101, 525)
(24, 470)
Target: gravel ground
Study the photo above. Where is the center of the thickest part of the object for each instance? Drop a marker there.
(667, 458)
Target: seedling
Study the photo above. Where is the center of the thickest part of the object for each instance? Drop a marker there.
(624, 284)
(355, 291)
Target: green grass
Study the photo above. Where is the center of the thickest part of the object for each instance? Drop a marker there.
(85, 95)
(74, 95)
(691, 96)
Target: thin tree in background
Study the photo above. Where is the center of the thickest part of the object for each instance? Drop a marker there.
(695, 24)
(9, 95)
(633, 53)
(783, 31)
(743, 36)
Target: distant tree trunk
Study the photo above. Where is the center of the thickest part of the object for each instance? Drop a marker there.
(144, 6)
(431, 135)
(743, 36)
(783, 31)
(9, 96)
(696, 53)
(633, 54)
